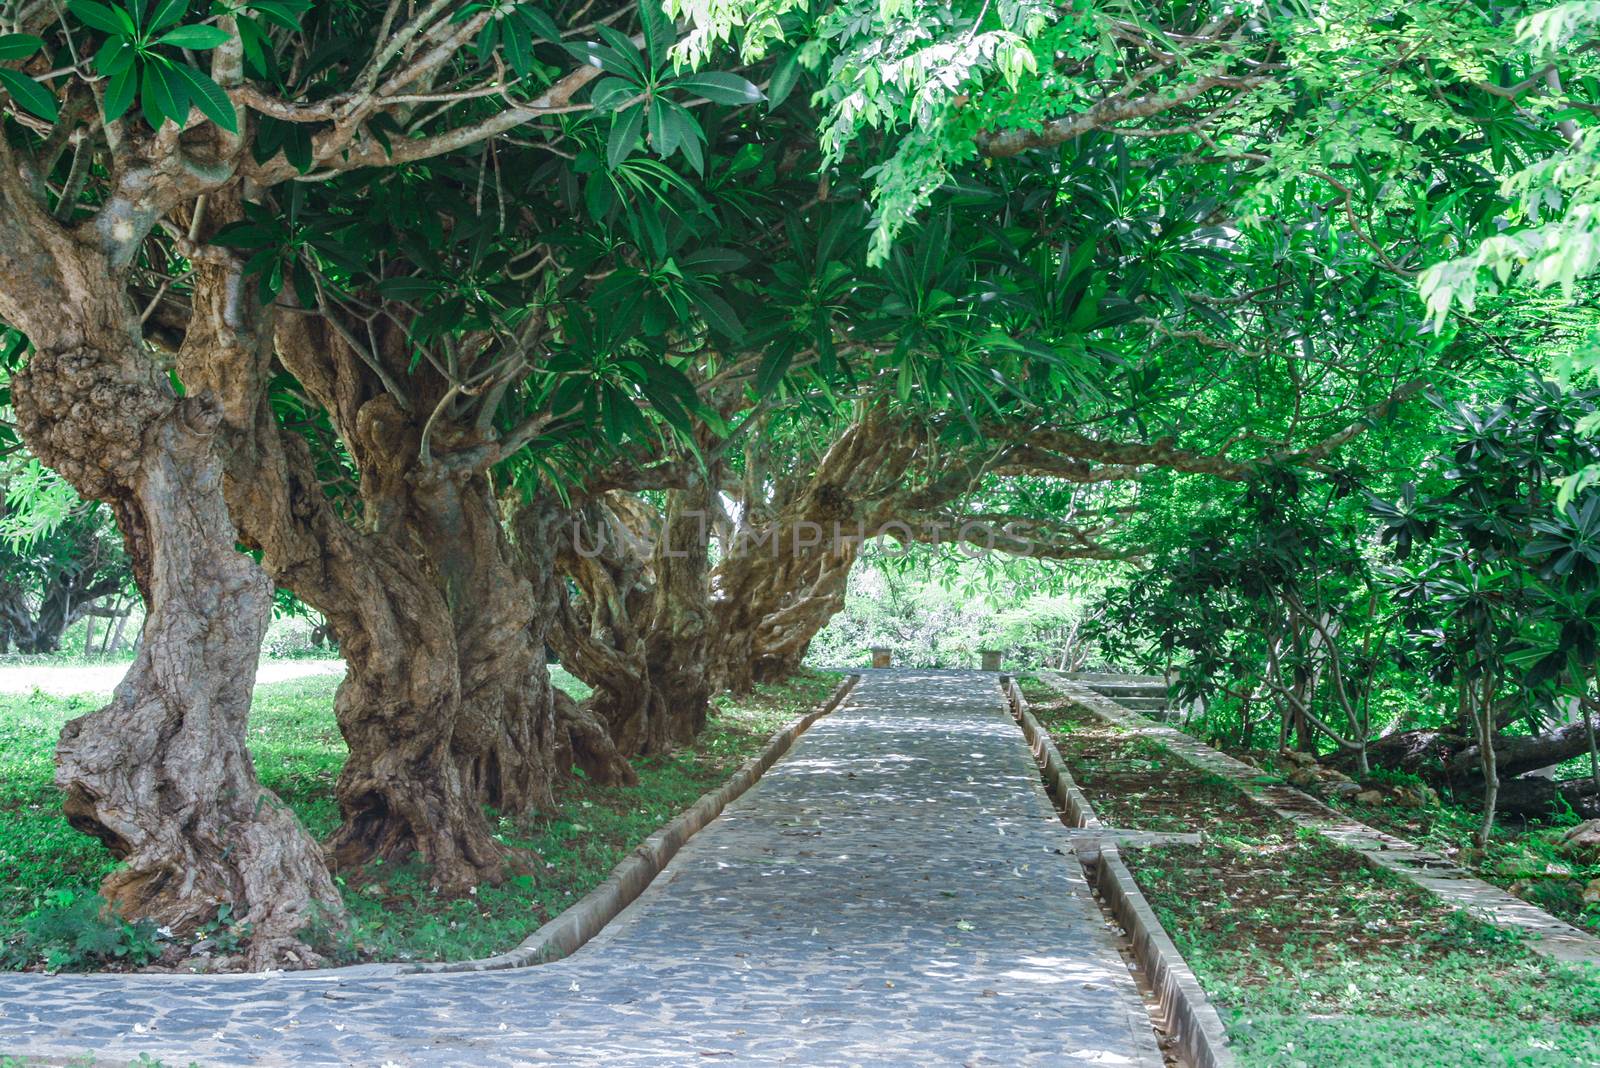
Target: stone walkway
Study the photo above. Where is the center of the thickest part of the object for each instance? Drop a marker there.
(897, 890)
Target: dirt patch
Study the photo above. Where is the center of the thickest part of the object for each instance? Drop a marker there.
(1136, 783)
(1268, 895)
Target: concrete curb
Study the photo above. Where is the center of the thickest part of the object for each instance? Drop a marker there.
(1189, 1015)
(1545, 933)
(563, 935)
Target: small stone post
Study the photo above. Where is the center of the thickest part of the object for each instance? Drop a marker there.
(991, 659)
(882, 656)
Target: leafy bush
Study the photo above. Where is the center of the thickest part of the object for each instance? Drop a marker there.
(76, 929)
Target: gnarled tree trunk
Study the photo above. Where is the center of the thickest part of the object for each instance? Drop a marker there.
(782, 574)
(677, 642)
(446, 704)
(770, 607)
(401, 790)
(162, 774)
(505, 731)
(596, 638)
(637, 632)
(66, 600)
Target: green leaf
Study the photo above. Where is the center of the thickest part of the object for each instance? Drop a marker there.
(658, 33)
(599, 197)
(115, 56)
(774, 365)
(517, 42)
(539, 22)
(29, 95)
(783, 79)
(713, 260)
(284, 14)
(658, 137)
(18, 45)
(167, 13)
(626, 50)
(270, 282)
(297, 146)
(246, 235)
(305, 286)
(162, 97)
(409, 288)
(718, 313)
(689, 135)
(198, 38)
(119, 93)
(720, 87)
(610, 93)
(624, 135)
(671, 127)
(596, 54)
(208, 96)
(100, 17)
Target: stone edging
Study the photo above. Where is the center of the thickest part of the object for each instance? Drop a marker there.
(584, 918)
(1189, 1014)
(1546, 934)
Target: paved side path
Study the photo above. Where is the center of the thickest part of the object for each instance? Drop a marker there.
(67, 680)
(895, 891)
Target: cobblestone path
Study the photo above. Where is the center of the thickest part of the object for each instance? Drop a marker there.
(895, 891)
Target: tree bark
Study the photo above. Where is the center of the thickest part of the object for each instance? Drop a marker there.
(446, 705)
(66, 599)
(783, 573)
(600, 546)
(1535, 797)
(162, 775)
(401, 790)
(774, 593)
(677, 643)
(1451, 759)
(505, 734)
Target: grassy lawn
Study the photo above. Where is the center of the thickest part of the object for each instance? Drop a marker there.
(1313, 957)
(298, 754)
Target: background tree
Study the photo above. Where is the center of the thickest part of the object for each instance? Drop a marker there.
(60, 558)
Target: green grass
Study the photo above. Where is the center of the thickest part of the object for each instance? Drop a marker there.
(1312, 956)
(1315, 959)
(1298, 1041)
(298, 753)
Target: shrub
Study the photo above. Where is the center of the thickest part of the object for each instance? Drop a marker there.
(76, 929)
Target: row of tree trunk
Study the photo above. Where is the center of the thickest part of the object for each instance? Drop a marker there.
(443, 599)
(164, 401)
(443, 593)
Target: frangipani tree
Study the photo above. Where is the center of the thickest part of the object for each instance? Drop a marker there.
(138, 135)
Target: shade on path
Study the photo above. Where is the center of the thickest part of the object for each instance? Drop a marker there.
(896, 890)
